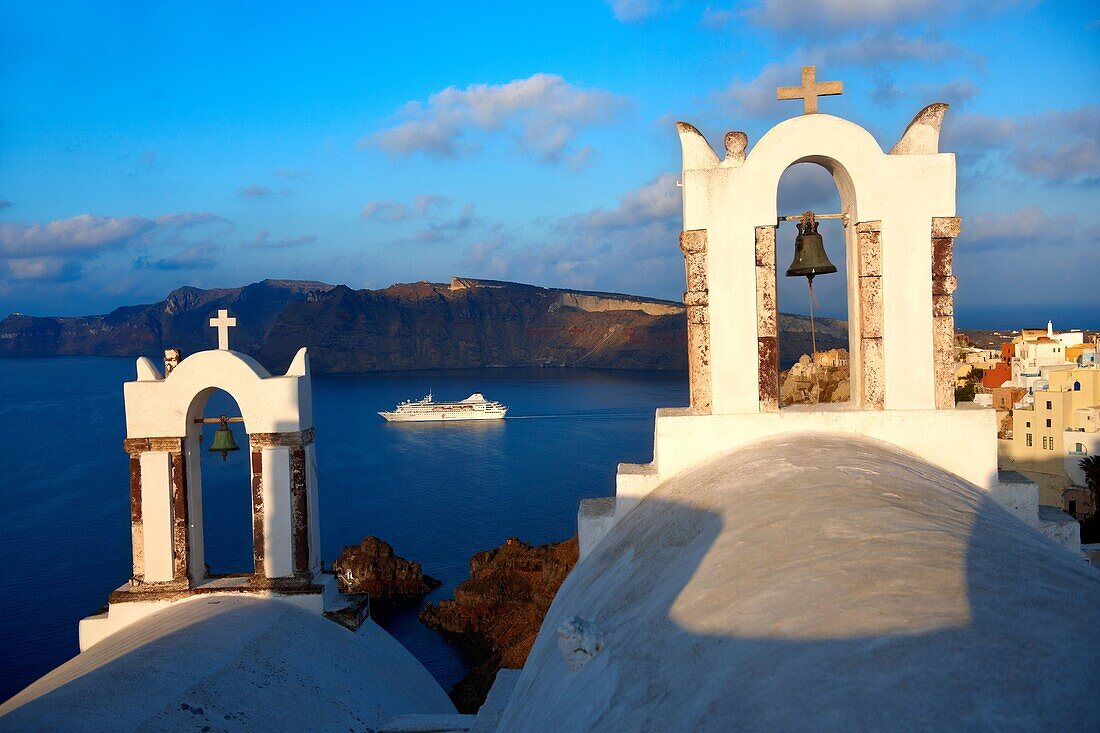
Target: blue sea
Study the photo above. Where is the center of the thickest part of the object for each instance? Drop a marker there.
(437, 493)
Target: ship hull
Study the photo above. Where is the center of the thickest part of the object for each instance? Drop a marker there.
(442, 416)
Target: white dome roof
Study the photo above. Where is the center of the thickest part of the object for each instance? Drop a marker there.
(230, 663)
(819, 583)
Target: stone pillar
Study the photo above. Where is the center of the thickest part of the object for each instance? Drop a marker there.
(136, 530)
(281, 518)
(944, 231)
(158, 511)
(694, 245)
(181, 530)
(767, 320)
(257, 464)
(871, 353)
(299, 508)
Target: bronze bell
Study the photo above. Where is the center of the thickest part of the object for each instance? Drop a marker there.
(809, 251)
(223, 439)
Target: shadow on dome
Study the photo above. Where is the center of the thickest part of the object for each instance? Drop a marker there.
(824, 583)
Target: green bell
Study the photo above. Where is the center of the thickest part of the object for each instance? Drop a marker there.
(809, 251)
(223, 439)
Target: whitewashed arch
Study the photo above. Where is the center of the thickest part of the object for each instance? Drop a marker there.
(895, 197)
(163, 440)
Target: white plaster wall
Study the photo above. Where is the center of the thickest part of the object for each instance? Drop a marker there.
(1090, 442)
(959, 441)
(160, 407)
(905, 192)
(278, 537)
(156, 515)
(95, 629)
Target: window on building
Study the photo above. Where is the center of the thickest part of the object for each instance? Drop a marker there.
(1028, 424)
(1080, 448)
(1049, 406)
(1076, 386)
(1029, 440)
(1048, 422)
(1044, 442)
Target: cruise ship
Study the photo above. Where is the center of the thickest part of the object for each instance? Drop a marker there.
(426, 409)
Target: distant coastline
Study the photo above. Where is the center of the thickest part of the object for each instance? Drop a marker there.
(467, 323)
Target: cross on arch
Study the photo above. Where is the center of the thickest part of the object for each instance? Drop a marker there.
(810, 90)
(223, 323)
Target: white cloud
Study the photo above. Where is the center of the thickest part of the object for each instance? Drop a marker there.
(263, 240)
(882, 48)
(756, 97)
(717, 19)
(202, 256)
(486, 259)
(42, 269)
(89, 233)
(54, 251)
(292, 174)
(632, 11)
(655, 201)
(394, 211)
(385, 211)
(809, 14)
(1060, 147)
(632, 247)
(254, 191)
(1016, 229)
(542, 114)
(447, 230)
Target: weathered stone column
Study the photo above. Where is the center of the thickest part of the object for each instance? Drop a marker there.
(158, 479)
(767, 320)
(283, 487)
(944, 231)
(871, 354)
(299, 508)
(694, 245)
(257, 463)
(181, 531)
(136, 529)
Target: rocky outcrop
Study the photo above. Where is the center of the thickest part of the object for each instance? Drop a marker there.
(372, 567)
(496, 614)
(464, 324)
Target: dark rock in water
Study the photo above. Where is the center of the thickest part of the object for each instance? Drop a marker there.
(462, 324)
(372, 567)
(496, 614)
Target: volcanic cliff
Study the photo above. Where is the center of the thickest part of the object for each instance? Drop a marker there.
(462, 324)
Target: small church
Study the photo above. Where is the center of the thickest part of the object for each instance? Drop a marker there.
(850, 566)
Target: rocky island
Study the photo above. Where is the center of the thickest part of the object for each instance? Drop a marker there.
(373, 567)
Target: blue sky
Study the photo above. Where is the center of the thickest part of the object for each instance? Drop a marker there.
(147, 146)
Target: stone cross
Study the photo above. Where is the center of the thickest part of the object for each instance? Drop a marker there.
(223, 323)
(810, 90)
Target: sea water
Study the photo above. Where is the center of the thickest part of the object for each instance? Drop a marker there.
(437, 492)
